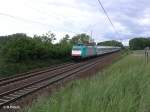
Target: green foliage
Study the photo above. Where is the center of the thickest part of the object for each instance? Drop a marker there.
(83, 38)
(123, 87)
(65, 39)
(111, 43)
(139, 43)
(5, 39)
(20, 47)
(48, 37)
(21, 53)
(9, 69)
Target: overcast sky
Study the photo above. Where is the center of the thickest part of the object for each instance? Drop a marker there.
(130, 17)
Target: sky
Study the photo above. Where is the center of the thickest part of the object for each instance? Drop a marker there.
(131, 18)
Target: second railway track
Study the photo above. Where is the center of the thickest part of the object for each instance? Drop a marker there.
(22, 76)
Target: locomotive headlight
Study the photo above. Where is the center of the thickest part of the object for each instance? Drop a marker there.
(76, 52)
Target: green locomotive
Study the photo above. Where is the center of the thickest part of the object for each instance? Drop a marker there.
(81, 51)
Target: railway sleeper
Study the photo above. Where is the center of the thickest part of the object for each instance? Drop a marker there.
(33, 87)
(24, 91)
(13, 95)
(28, 89)
(21, 93)
(8, 97)
(18, 93)
(3, 100)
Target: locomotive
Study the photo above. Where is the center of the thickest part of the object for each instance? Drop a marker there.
(81, 51)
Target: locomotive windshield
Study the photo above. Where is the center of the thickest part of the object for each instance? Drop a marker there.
(76, 48)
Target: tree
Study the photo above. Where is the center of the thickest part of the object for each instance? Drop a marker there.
(139, 43)
(65, 39)
(83, 38)
(20, 47)
(111, 43)
(47, 37)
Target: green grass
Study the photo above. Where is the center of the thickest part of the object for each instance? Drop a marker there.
(122, 87)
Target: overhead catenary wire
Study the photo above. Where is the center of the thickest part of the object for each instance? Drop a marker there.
(30, 21)
(22, 19)
(113, 26)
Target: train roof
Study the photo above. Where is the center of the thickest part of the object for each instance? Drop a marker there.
(98, 46)
(107, 47)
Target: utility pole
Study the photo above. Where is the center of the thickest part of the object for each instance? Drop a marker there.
(146, 50)
(91, 36)
(91, 33)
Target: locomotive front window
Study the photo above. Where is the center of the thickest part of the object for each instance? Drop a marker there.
(76, 49)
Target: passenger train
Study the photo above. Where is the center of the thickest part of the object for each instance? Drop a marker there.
(81, 51)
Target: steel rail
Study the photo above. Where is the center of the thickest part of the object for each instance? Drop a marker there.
(33, 71)
(60, 77)
(31, 74)
(54, 74)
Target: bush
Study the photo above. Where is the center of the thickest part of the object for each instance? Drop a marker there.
(111, 43)
(139, 43)
(25, 48)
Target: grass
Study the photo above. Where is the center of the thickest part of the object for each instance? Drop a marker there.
(122, 87)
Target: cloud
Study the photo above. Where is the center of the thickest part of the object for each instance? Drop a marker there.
(130, 17)
(133, 17)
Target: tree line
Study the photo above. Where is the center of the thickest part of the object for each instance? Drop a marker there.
(20, 47)
(139, 43)
(111, 43)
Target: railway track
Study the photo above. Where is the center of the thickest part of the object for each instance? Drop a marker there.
(27, 75)
(33, 72)
(12, 89)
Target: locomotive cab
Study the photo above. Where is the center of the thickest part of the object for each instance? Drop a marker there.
(78, 51)
(81, 51)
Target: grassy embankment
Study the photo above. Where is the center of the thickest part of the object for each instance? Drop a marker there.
(122, 87)
(8, 68)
